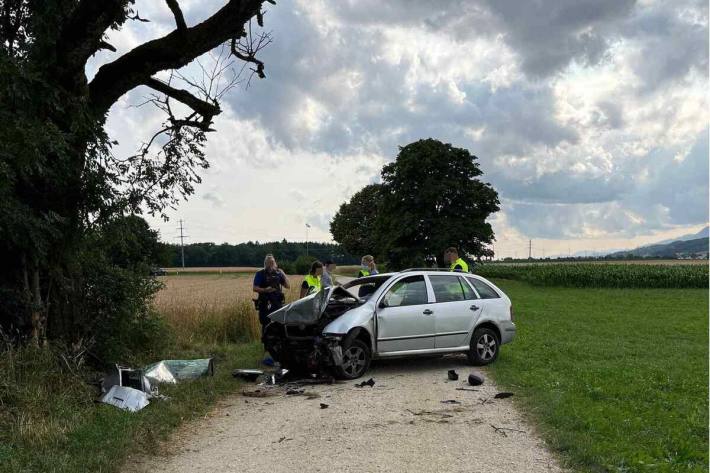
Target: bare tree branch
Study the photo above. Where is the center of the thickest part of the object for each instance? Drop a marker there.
(107, 45)
(172, 51)
(206, 109)
(177, 13)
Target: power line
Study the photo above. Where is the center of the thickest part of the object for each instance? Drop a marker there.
(182, 242)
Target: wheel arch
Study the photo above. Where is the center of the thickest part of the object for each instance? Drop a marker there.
(490, 325)
(359, 333)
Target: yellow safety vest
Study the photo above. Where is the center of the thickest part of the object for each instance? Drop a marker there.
(460, 262)
(313, 283)
(363, 273)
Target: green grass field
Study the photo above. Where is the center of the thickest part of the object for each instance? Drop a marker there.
(615, 379)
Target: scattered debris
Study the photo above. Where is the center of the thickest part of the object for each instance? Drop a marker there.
(502, 430)
(503, 395)
(467, 389)
(429, 413)
(126, 398)
(282, 439)
(259, 392)
(127, 377)
(295, 392)
(475, 380)
(323, 405)
(172, 371)
(370, 382)
(247, 375)
(453, 375)
(450, 401)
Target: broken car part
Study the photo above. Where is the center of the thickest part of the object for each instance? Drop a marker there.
(126, 398)
(172, 371)
(453, 375)
(475, 380)
(247, 375)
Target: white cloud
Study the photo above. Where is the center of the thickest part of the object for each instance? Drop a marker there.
(590, 119)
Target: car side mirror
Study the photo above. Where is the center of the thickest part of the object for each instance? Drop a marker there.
(382, 304)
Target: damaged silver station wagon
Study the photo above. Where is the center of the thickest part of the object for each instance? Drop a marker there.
(409, 313)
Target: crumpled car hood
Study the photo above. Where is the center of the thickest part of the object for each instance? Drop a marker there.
(307, 310)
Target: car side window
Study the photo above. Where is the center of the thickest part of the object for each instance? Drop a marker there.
(469, 293)
(485, 291)
(407, 291)
(447, 288)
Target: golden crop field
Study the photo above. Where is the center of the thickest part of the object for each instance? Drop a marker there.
(218, 270)
(213, 308)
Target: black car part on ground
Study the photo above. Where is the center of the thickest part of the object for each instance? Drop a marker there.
(298, 343)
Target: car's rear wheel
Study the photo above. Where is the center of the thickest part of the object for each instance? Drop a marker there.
(356, 360)
(485, 347)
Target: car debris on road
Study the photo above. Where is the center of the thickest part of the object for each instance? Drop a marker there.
(370, 382)
(453, 375)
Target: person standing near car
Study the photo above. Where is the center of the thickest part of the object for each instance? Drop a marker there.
(268, 284)
(328, 278)
(367, 266)
(312, 282)
(451, 255)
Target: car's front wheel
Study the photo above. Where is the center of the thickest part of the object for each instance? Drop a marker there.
(356, 360)
(484, 347)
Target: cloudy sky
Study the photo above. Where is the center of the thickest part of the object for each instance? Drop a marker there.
(590, 118)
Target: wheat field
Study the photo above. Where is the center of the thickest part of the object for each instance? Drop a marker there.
(213, 308)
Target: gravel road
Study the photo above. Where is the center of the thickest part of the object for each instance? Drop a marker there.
(399, 425)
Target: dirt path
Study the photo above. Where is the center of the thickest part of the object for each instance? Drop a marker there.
(399, 425)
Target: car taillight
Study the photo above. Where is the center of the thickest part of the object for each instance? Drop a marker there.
(511, 312)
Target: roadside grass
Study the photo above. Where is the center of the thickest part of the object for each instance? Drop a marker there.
(50, 423)
(615, 379)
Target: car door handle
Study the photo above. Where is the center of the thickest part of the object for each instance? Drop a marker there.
(474, 307)
(428, 312)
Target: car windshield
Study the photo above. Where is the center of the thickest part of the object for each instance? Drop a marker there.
(365, 287)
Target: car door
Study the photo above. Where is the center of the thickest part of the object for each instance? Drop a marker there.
(405, 317)
(455, 311)
(492, 305)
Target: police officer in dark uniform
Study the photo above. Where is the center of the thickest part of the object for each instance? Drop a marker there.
(268, 284)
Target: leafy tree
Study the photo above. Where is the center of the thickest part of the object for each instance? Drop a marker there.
(432, 198)
(353, 226)
(60, 182)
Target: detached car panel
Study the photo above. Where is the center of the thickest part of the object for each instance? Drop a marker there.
(387, 315)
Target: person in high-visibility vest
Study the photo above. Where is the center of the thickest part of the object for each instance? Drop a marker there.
(311, 283)
(451, 255)
(367, 266)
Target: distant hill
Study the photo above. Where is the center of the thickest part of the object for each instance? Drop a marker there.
(704, 233)
(697, 247)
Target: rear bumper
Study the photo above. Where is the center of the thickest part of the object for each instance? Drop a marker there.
(507, 331)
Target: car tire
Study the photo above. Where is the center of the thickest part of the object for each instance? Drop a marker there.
(485, 346)
(356, 360)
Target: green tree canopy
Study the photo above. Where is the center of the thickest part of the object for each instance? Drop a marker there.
(353, 226)
(60, 182)
(430, 198)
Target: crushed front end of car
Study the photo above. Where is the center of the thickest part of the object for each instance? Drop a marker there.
(295, 335)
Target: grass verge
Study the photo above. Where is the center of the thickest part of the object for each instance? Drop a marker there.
(616, 379)
(49, 422)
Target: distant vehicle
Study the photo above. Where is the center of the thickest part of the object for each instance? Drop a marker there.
(409, 313)
(155, 271)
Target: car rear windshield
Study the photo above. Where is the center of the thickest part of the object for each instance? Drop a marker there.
(484, 290)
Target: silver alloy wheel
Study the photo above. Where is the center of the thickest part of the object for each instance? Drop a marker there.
(486, 347)
(354, 360)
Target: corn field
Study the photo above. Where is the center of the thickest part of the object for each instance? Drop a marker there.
(601, 275)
